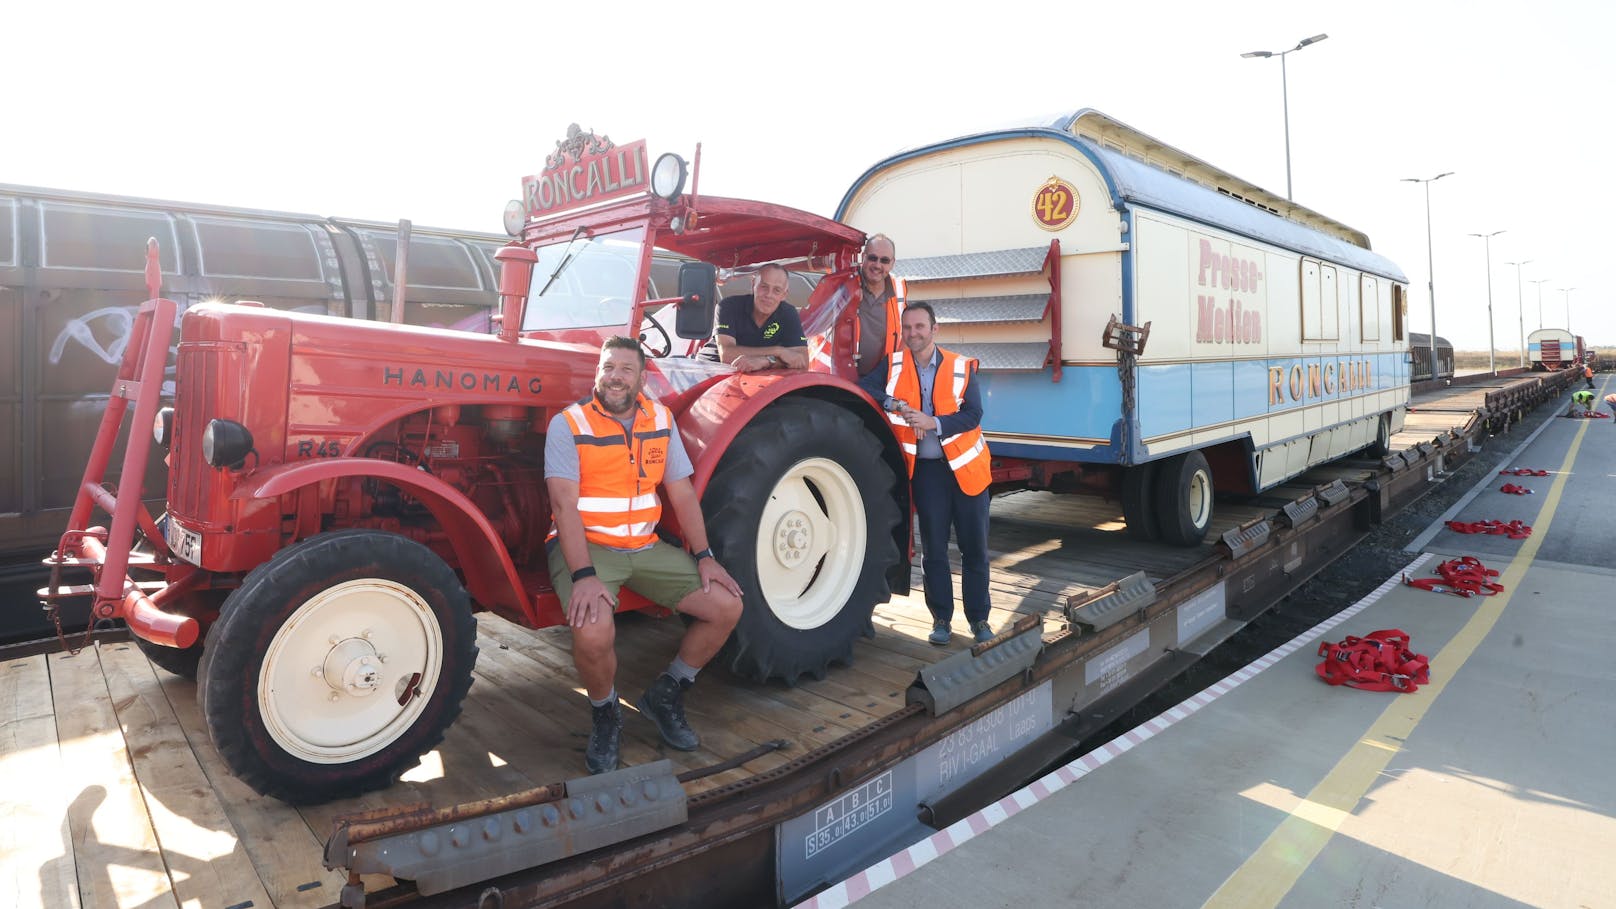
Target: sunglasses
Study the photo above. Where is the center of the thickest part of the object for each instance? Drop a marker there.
(872, 257)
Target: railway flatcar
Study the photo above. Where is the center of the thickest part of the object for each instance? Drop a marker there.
(1419, 351)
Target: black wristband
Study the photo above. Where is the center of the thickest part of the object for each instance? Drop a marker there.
(588, 571)
(704, 554)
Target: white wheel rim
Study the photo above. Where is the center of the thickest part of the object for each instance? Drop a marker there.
(1199, 502)
(810, 549)
(334, 674)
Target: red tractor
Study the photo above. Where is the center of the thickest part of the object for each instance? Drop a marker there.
(343, 495)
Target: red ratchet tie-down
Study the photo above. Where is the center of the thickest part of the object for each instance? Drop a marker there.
(1462, 577)
(1379, 662)
(1515, 530)
(1514, 490)
(1523, 472)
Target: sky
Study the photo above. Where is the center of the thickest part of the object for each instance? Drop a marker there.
(367, 110)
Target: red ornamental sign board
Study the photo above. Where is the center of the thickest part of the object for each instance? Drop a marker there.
(586, 179)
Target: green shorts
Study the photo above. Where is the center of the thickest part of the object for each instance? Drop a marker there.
(663, 574)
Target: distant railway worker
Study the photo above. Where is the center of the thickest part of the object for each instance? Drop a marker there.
(761, 330)
(1583, 401)
(935, 408)
(1588, 373)
(603, 460)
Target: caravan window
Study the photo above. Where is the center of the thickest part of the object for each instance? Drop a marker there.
(1320, 302)
(1369, 308)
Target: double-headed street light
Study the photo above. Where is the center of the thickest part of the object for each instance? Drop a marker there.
(1520, 312)
(1492, 363)
(1430, 266)
(1540, 282)
(1285, 93)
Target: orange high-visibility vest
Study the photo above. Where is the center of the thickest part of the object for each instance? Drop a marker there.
(849, 286)
(966, 452)
(618, 477)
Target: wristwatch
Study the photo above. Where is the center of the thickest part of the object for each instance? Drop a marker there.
(775, 361)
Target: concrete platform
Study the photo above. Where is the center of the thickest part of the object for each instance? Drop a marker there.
(1494, 785)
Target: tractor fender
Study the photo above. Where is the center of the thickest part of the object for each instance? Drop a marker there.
(489, 573)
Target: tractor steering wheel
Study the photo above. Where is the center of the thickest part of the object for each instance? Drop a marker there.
(667, 339)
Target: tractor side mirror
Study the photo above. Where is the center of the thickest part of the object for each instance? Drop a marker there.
(698, 295)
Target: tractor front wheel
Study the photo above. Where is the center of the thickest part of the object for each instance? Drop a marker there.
(336, 665)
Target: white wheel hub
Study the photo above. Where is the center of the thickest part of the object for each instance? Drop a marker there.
(814, 519)
(350, 671)
(1199, 501)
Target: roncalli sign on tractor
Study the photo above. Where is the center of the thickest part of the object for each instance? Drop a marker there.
(343, 495)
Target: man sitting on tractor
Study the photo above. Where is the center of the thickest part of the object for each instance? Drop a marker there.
(603, 460)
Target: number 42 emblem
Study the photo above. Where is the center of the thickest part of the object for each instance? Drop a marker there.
(1055, 204)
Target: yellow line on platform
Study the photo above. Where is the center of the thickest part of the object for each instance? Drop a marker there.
(1274, 868)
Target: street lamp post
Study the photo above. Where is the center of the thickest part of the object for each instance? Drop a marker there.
(1540, 282)
(1285, 94)
(1567, 291)
(1520, 312)
(1430, 266)
(1492, 363)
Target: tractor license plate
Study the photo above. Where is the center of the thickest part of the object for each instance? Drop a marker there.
(185, 544)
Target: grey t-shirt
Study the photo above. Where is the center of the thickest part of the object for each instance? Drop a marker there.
(561, 452)
(872, 329)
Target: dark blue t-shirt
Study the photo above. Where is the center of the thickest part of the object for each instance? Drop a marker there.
(783, 328)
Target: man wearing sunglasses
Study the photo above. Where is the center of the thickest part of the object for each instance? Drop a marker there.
(879, 296)
(880, 305)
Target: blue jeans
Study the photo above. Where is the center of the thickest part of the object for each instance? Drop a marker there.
(940, 506)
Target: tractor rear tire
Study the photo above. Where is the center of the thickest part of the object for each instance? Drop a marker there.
(802, 513)
(336, 665)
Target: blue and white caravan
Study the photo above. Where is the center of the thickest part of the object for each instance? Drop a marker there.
(1146, 324)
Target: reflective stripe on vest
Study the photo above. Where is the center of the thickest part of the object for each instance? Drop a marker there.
(617, 476)
(966, 452)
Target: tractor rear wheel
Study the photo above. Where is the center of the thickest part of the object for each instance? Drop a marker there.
(336, 665)
(801, 512)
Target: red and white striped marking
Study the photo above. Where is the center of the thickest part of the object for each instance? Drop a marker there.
(943, 841)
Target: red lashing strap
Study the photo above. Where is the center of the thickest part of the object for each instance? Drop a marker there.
(1515, 530)
(1463, 577)
(1523, 472)
(1379, 662)
(1514, 490)
(1590, 415)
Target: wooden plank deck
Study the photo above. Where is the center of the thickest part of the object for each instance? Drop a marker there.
(113, 795)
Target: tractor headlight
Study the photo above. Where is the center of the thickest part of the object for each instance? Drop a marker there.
(515, 217)
(668, 176)
(225, 443)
